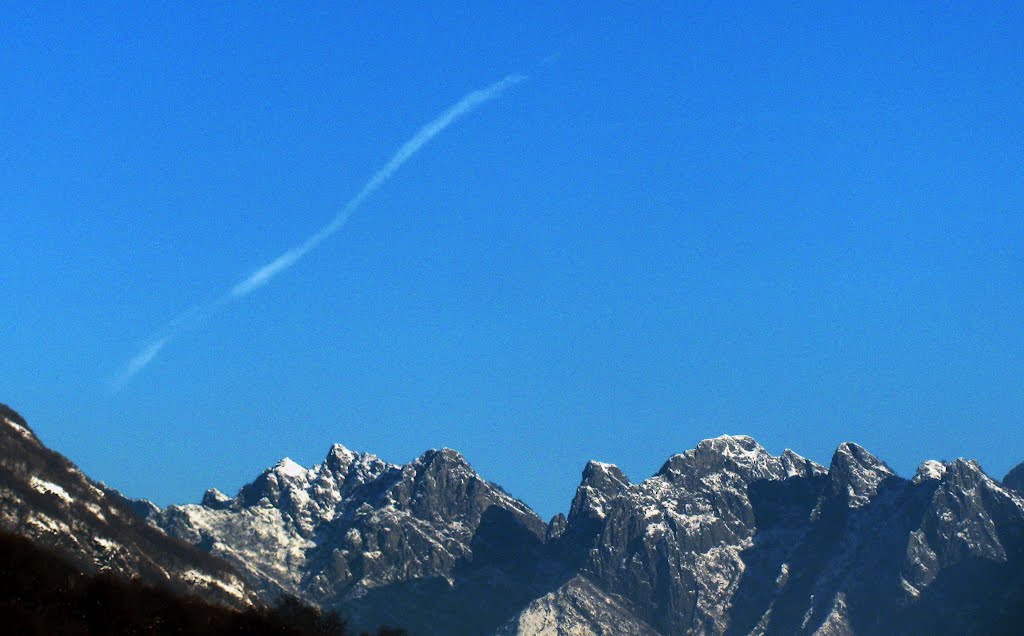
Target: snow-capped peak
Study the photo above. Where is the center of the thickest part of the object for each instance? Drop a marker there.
(929, 469)
(739, 455)
(289, 468)
(738, 439)
(341, 452)
(740, 447)
(601, 483)
(719, 517)
(595, 467)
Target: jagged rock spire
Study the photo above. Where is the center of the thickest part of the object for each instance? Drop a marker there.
(855, 475)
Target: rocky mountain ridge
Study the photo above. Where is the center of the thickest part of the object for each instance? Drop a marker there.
(725, 538)
(355, 532)
(46, 498)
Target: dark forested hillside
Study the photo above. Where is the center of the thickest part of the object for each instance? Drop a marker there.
(46, 498)
(44, 594)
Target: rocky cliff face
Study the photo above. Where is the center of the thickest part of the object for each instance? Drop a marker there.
(578, 607)
(430, 544)
(677, 546)
(45, 498)
(881, 550)
(725, 539)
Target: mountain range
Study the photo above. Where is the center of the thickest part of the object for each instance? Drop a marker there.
(725, 538)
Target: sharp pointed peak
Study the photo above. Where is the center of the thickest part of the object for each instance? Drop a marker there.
(340, 449)
(930, 470)
(339, 453)
(215, 499)
(593, 464)
(852, 452)
(556, 527)
(796, 464)
(287, 467)
(963, 467)
(341, 459)
(856, 475)
(442, 457)
(603, 471)
(967, 476)
(603, 476)
(447, 453)
(600, 484)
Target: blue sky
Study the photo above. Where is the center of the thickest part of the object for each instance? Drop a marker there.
(802, 223)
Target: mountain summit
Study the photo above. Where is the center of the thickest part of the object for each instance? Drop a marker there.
(726, 538)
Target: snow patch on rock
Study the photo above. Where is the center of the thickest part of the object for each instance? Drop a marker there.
(50, 488)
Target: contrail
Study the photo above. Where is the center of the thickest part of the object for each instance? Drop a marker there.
(264, 274)
(465, 105)
(139, 362)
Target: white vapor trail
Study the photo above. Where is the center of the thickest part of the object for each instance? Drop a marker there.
(464, 106)
(139, 362)
(264, 274)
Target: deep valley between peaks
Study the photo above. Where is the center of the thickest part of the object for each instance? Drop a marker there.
(725, 538)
